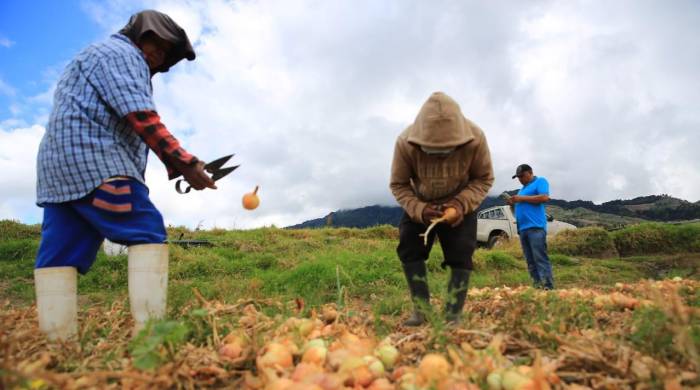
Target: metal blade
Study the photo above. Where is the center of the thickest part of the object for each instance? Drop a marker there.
(218, 163)
(219, 173)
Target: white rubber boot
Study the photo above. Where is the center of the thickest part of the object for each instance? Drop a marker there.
(148, 282)
(57, 301)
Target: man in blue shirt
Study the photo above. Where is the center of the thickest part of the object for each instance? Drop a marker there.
(532, 224)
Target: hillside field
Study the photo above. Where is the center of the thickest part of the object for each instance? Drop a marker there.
(625, 314)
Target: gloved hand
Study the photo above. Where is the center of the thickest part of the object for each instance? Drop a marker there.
(430, 212)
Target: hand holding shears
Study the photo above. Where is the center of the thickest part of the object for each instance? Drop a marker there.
(199, 180)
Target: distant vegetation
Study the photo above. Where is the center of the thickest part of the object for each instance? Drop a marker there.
(609, 215)
(582, 217)
(653, 207)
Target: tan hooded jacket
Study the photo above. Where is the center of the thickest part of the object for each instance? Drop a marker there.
(419, 178)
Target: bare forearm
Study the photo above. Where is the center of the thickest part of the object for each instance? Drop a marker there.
(535, 199)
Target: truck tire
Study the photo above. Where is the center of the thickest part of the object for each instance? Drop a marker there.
(496, 239)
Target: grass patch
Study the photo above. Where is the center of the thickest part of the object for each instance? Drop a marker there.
(495, 259)
(635, 240)
(654, 238)
(589, 242)
(563, 260)
(13, 230)
(318, 279)
(650, 332)
(319, 266)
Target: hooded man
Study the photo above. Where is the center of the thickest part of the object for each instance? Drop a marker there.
(442, 160)
(91, 166)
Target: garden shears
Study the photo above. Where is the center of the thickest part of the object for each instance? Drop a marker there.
(216, 170)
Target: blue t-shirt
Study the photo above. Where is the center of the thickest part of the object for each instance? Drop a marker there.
(530, 215)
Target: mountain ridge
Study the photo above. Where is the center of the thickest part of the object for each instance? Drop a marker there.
(611, 214)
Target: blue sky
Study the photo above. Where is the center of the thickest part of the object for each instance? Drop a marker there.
(39, 38)
(600, 98)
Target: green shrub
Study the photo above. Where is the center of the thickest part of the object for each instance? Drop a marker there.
(651, 238)
(157, 343)
(19, 249)
(13, 230)
(589, 241)
(380, 232)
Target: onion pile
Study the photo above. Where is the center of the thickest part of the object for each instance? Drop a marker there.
(323, 354)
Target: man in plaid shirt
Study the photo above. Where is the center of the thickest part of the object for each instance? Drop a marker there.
(91, 167)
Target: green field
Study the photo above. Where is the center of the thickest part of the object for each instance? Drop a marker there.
(326, 265)
(357, 272)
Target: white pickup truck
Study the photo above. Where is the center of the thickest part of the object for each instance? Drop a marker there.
(496, 224)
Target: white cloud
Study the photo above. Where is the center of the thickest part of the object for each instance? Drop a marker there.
(311, 100)
(6, 42)
(311, 96)
(18, 149)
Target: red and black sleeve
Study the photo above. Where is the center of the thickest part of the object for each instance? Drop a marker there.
(148, 126)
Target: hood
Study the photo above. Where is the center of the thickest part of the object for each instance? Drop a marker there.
(440, 124)
(160, 24)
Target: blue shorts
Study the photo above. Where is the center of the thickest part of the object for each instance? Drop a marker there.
(119, 209)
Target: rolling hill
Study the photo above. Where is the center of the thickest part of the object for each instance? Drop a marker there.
(612, 214)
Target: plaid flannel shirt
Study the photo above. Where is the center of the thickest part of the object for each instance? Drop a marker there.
(90, 136)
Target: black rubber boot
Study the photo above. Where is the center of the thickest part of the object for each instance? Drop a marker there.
(456, 294)
(417, 279)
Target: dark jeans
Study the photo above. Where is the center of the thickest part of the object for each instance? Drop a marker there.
(534, 243)
(458, 243)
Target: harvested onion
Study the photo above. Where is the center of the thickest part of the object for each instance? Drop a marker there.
(432, 368)
(450, 215)
(388, 354)
(274, 356)
(251, 200)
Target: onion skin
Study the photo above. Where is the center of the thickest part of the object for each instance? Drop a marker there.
(231, 350)
(275, 356)
(315, 355)
(450, 215)
(388, 354)
(251, 201)
(433, 368)
(381, 384)
(495, 380)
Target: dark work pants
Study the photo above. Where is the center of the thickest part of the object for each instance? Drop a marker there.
(458, 243)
